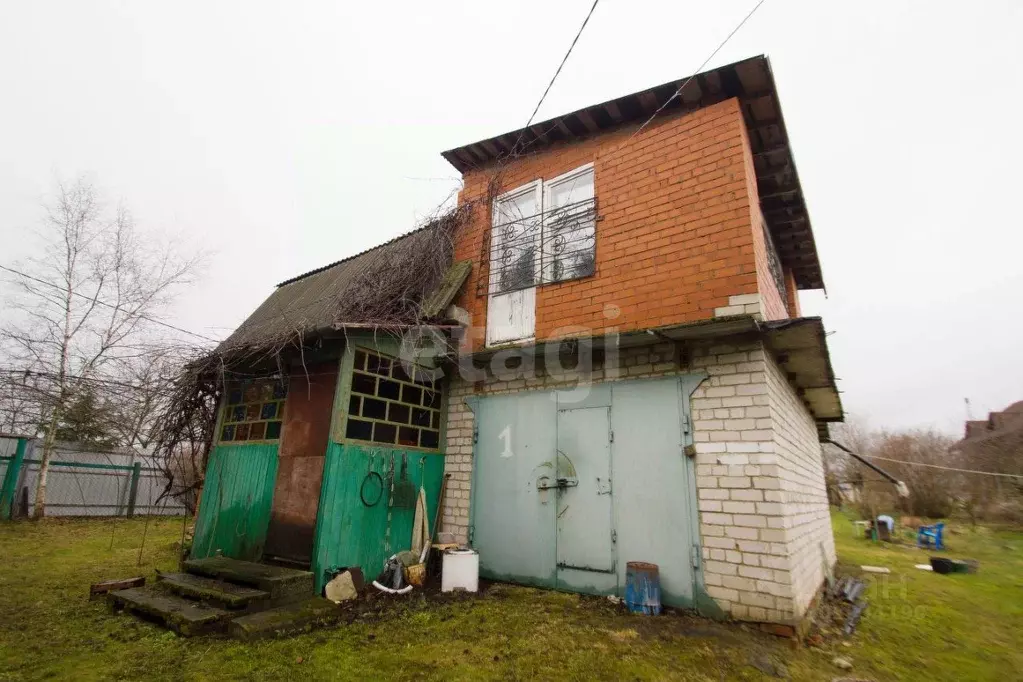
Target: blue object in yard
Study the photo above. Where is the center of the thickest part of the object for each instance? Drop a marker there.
(931, 536)
(642, 588)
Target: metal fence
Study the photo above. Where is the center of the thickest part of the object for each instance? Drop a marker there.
(82, 482)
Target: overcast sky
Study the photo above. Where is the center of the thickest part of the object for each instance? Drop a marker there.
(282, 136)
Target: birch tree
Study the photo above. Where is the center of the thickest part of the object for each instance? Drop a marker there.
(87, 304)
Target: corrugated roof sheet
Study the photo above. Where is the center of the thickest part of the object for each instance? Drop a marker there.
(360, 288)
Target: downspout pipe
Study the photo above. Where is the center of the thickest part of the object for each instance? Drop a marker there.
(899, 485)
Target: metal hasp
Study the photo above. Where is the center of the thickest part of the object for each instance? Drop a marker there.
(559, 484)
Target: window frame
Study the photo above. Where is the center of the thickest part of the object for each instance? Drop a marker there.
(545, 244)
(536, 188)
(223, 421)
(351, 394)
(542, 189)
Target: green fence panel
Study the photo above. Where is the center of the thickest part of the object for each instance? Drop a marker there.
(237, 495)
(8, 488)
(350, 532)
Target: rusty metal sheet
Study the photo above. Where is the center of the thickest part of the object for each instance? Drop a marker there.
(304, 439)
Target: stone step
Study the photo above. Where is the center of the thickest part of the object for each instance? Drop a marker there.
(212, 590)
(184, 616)
(282, 584)
(286, 619)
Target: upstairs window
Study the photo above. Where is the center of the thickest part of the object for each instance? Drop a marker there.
(569, 227)
(544, 232)
(515, 247)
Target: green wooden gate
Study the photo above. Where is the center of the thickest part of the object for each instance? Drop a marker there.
(235, 508)
(353, 531)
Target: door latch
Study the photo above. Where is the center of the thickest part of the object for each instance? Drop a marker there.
(559, 483)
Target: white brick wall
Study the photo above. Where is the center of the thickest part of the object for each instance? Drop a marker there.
(743, 304)
(759, 476)
(764, 520)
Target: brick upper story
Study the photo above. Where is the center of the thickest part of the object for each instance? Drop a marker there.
(679, 229)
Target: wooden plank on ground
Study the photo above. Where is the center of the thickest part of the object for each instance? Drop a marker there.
(121, 584)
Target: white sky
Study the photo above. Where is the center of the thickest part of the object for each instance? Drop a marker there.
(283, 136)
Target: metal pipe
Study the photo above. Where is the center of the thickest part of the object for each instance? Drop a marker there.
(903, 490)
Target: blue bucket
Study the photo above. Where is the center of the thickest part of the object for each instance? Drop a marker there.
(643, 588)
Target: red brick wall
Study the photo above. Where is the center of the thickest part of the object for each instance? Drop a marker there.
(676, 235)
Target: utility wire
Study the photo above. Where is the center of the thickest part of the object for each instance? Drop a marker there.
(678, 92)
(556, 73)
(944, 468)
(87, 379)
(107, 305)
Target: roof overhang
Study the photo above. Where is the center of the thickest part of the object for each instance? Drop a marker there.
(798, 346)
(752, 83)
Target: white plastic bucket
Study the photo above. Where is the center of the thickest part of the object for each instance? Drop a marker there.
(461, 571)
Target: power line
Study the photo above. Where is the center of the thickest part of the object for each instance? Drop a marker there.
(678, 92)
(556, 73)
(26, 373)
(944, 468)
(107, 305)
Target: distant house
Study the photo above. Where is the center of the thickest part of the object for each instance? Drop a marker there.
(996, 443)
(609, 362)
(1010, 417)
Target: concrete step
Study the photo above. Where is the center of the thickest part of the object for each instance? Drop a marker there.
(224, 594)
(282, 584)
(300, 615)
(184, 616)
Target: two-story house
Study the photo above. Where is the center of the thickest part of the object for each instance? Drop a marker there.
(601, 350)
(645, 388)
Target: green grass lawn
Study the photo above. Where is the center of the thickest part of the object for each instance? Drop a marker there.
(920, 626)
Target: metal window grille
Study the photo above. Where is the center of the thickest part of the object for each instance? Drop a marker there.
(556, 245)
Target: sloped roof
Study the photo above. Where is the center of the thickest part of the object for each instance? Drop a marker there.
(374, 286)
(752, 82)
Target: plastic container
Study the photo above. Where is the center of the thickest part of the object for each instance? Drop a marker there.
(461, 571)
(643, 588)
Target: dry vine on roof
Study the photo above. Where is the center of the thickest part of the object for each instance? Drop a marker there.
(384, 287)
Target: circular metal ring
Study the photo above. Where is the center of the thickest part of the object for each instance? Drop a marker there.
(380, 488)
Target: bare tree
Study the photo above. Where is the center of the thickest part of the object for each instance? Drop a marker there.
(84, 305)
(143, 389)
